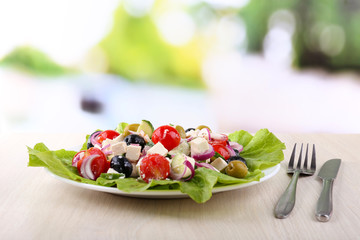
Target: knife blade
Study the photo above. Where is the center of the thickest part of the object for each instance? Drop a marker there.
(327, 173)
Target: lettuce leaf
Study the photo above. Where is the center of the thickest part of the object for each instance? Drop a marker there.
(121, 127)
(261, 151)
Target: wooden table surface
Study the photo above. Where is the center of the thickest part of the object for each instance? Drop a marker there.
(35, 205)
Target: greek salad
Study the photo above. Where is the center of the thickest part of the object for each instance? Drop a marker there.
(139, 157)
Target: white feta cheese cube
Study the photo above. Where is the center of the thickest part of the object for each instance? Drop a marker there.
(219, 163)
(107, 142)
(204, 133)
(192, 133)
(158, 148)
(199, 145)
(118, 148)
(133, 153)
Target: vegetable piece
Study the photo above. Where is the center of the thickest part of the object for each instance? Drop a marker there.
(147, 127)
(183, 147)
(121, 127)
(192, 169)
(167, 135)
(206, 165)
(121, 165)
(202, 127)
(236, 169)
(178, 169)
(135, 139)
(205, 133)
(189, 129)
(92, 140)
(131, 128)
(205, 155)
(214, 141)
(219, 137)
(236, 146)
(239, 158)
(77, 158)
(154, 166)
(108, 134)
(92, 164)
(181, 131)
(222, 150)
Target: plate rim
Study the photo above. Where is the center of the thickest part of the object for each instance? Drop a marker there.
(269, 173)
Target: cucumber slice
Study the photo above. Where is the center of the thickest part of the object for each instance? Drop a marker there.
(177, 164)
(147, 127)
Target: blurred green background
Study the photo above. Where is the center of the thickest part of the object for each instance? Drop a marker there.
(165, 42)
(234, 64)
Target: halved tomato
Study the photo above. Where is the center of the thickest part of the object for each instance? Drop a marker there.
(222, 150)
(93, 163)
(108, 134)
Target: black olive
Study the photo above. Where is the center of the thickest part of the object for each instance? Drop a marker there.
(89, 143)
(236, 158)
(121, 165)
(236, 152)
(189, 129)
(135, 139)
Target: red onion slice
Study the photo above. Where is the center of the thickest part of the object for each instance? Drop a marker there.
(107, 153)
(208, 131)
(77, 158)
(106, 146)
(231, 151)
(85, 169)
(236, 146)
(93, 138)
(190, 166)
(189, 138)
(219, 137)
(203, 156)
(206, 165)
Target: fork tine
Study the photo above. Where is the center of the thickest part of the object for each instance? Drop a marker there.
(313, 159)
(291, 162)
(306, 157)
(299, 161)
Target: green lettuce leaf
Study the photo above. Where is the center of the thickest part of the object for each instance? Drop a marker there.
(121, 127)
(261, 151)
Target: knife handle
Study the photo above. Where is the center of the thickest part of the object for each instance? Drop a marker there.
(324, 204)
(287, 200)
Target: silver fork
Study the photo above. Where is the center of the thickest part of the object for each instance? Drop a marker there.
(287, 200)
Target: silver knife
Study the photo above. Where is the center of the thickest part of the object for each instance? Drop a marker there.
(327, 173)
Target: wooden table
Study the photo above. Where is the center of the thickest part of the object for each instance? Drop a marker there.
(34, 205)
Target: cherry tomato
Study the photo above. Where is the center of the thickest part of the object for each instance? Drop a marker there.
(98, 165)
(222, 150)
(221, 139)
(154, 166)
(217, 142)
(167, 136)
(108, 134)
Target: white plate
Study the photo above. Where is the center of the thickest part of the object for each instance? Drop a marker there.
(270, 172)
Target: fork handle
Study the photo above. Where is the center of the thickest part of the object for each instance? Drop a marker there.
(287, 200)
